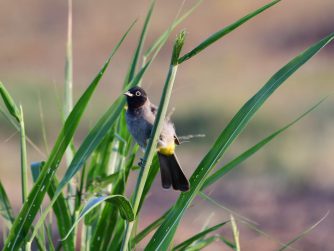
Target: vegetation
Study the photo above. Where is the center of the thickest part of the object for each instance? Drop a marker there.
(101, 215)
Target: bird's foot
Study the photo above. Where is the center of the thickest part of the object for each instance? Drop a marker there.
(141, 163)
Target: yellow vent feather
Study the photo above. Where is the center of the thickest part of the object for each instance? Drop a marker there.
(168, 150)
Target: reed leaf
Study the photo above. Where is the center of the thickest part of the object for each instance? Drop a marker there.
(184, 245)
(6, 211)
(219, 34)
(245, 155)
(9, 103)
(69, 173)
(302, 234)
(122, 204)
(163, 236)
(158, 123)
(30, 208)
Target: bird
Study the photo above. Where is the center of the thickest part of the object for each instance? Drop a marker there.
(140, 116)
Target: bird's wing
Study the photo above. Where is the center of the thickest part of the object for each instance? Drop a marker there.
(176, 140)
(154, 110)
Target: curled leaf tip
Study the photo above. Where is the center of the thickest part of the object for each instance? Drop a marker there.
(179, 42)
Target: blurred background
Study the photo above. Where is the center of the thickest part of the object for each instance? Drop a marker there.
(285, 188)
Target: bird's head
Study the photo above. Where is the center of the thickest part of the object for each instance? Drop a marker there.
(136, 97)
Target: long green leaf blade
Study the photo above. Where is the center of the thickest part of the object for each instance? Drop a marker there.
(245, 155)
(5, 207)
(31, 207)
(140, 45)
(149, 229)
(166, 231)
(219, 34)
(160, 40)
(23, 151)
(302, 234)
(156, 130)
(9, 102)
(235, 233)
(200, 235)
(202, 244)
(88, 142)
(120, 201)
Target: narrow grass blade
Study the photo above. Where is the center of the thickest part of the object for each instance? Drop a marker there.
(68, 100)
(227, 242)
(120, 201)
(182, 246)
(166, 34)
(242, 157)
(63, 215)
(5, 207)
(216, 203)
(151, 146)
(302, 234)
(96, 135)
(219, 34)
(154, 169)
(235, 233)
(9, 102)
(24, 165)
(103, 182)
(149, 229)
(60, 209)
(30, 208)
(165, 233)
(202, 244)
(134, 62)
(108, 220)
(86, 143)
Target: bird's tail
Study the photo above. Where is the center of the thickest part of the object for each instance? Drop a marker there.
(171, 173)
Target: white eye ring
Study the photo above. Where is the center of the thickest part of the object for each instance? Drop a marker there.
(138, 93)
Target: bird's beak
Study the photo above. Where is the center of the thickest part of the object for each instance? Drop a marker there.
(128, 94)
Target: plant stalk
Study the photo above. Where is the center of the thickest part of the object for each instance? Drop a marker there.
(151, 147)
(24, 176)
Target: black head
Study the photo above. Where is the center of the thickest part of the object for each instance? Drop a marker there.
(136, 97)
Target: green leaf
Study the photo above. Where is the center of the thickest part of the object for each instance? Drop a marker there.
(154, 169)
(9, 102)
(77, 110)
(140, 45)
(202, 244)
(245, 155)
(23, 151)
(120, 201)
(96, 135)
(165, 233)
(219, 34)
(163, 38)
(101, 183)
(156, 130)
(302, 234)
(235, 233)
(5, 207)
(182, 246)
(149, 229)
(30, 208)
(179, 42)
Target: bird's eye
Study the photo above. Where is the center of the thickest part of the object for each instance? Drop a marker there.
(138, 93)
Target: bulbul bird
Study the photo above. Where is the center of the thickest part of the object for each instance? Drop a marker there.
(140, 117)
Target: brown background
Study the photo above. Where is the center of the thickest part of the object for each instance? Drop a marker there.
(285, 188)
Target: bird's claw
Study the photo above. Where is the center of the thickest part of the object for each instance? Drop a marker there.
(141, 163)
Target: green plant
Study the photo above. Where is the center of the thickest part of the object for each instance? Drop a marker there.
(104, 160)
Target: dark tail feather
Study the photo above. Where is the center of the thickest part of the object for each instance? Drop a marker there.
(171, 173)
